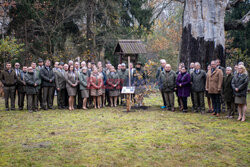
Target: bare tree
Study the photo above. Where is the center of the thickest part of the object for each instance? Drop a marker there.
(203, 37)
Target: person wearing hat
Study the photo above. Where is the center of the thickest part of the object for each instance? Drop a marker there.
(123, 75)
(39, 94)
(60, 86)
(139, 80)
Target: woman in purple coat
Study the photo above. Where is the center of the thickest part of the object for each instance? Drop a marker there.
(184, 86)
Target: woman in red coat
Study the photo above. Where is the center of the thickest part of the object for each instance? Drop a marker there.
(96, 83)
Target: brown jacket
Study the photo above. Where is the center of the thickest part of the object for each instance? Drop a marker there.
(8, 78)
(214, 81)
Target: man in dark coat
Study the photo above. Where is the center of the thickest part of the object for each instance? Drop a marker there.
(21, 88)
(9, 80)
(227, 92)
(48, 85)
(32, 82)
(198, 81)
(38, 69)
(60, 86)
(17, 71)
(158, 73)
(167, 82)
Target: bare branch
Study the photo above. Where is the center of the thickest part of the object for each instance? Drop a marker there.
(238, 24)
(233, 4)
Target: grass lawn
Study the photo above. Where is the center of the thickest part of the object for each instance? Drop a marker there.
(110, 137)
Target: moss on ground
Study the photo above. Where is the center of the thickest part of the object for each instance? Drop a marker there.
(110, 137)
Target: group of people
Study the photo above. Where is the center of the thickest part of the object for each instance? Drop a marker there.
(221, 86)
(76, 85)
(89, 85)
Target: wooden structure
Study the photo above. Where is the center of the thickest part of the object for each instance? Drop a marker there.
(132, 48)
(129, 51)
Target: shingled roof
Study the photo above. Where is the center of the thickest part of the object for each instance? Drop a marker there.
(130, 47)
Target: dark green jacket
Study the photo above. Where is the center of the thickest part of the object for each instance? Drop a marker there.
(198, 81)
(84, 81)
(46, 76)
(167, 81)
(31, 79)
(123, 75)
(227, 90)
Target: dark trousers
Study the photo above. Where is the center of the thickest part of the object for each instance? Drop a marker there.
(216, 102)
(169, 99)
(48, 94)
(9, 92)
(21, 97)
(198, 98)
(163, 98)
(39, 98)
(230, 108)
(223, 103)
(32, 102)
(79, 98)
(192, 99)
(61, 98)
(66, 100)
(184, 102)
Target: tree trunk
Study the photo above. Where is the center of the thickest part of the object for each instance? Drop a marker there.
(203, 37)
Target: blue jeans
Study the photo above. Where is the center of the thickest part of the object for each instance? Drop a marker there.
(216, 102)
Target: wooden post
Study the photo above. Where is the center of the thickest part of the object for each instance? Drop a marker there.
(129, 81)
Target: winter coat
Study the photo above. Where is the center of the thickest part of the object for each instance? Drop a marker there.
(84, 81)
(240, 82)
(198, 81)
(227, 90)
(46, 76)
(123, 75)
(60, 79)
(21, 82)
(214, 81)
(167, 81)
(8, 78)
(96, 81)
(113, 81)
(31, 79)
(184, 79)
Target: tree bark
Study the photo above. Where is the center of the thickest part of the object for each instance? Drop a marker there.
(203, 37)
